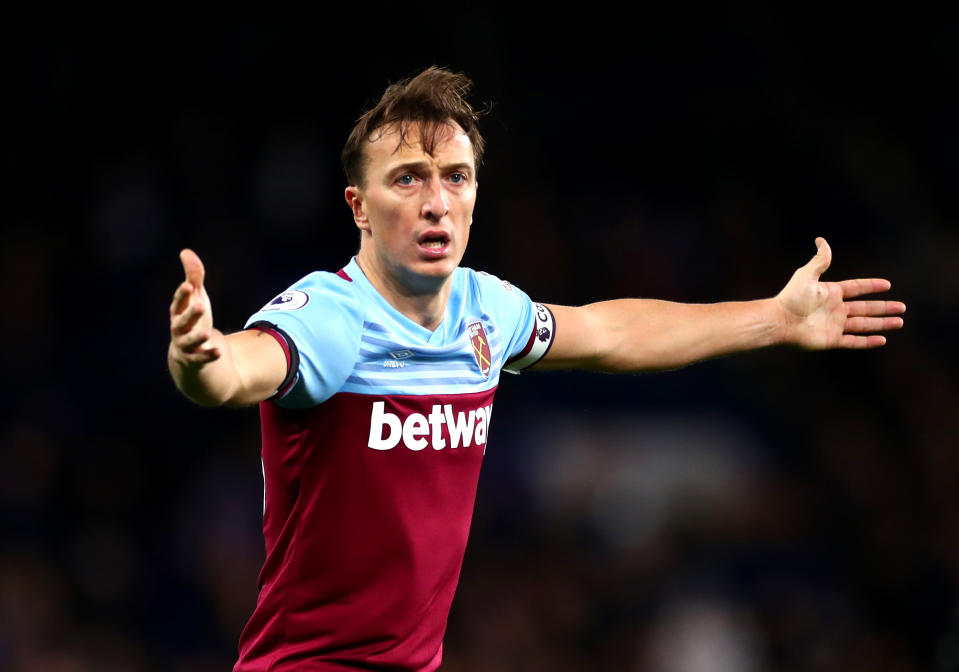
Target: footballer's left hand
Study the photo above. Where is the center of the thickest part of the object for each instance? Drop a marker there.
(818, 315)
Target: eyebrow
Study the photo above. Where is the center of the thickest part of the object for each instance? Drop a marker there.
(461, 167)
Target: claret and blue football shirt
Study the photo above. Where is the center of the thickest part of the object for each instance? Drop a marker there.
(371, 455)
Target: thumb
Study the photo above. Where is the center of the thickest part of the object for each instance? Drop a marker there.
(192, 267)
(820, 262)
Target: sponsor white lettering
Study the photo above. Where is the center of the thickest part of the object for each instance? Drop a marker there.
(415, 427)
(480, 426)
(487, 417)
(377, 419)
(461, 428)
(437, 418)
(464, 428)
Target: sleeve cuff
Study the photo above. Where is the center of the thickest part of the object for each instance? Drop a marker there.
(289, 349)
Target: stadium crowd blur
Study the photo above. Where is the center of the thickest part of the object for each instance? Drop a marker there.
(778, 510)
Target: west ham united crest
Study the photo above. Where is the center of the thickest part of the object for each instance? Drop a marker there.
(480, 346)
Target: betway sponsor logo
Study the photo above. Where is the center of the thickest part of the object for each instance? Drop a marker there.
(417, 431)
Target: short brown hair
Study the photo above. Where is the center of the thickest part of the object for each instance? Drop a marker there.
(429, 100)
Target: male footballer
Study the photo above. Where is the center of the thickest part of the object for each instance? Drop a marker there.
(375, 385)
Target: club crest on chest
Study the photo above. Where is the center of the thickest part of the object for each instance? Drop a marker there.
(480, 345)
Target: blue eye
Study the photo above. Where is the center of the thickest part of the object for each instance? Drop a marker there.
(405, 180)
(458, 178)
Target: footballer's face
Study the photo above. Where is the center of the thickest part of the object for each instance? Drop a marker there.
(414, 209)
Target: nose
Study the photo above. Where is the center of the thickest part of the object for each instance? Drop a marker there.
(435, 203)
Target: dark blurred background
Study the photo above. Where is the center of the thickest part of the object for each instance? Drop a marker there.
(779, 510)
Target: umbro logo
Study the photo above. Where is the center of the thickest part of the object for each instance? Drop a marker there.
(398, 357)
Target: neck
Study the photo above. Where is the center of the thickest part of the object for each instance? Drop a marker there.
(421, 300)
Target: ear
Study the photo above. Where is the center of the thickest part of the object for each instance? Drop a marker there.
(475, 188)
(354, 199)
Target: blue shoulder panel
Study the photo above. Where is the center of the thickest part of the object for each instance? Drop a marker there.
(510, 308)
(350, 339)
(323, 316)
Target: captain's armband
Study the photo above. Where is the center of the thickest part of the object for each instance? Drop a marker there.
(539, 343)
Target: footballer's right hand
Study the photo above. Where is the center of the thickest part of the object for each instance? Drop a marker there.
(193, 340)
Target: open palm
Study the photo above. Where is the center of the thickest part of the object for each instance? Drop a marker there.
(820, 315)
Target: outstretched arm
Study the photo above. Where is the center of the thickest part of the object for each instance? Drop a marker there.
(647, 335)
(209, 367)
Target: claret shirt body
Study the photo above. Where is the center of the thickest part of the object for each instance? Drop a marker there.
(371, 455)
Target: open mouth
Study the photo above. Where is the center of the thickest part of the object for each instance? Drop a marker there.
(434, 240)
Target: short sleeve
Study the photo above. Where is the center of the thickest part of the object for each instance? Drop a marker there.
(322, 319)
(527, 328)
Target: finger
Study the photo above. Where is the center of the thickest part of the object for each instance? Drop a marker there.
(866, 324)
(820, 262)
(192, 267)
(874, 308)
(201, 356)
(192, 340)
(186, 320)
(851, 288)
(181, 298)
(861, 342)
